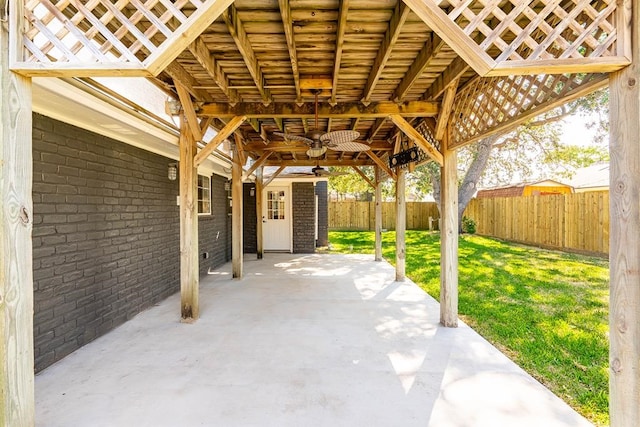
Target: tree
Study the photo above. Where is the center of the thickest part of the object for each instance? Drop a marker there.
(533, 150)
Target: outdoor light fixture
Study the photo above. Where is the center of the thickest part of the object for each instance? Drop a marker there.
(173, 171)
(172, 106)
(252, 191)
(317, 149)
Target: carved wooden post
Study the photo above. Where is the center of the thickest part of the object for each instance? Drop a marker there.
(16, 223)
(189, 280)
(624, 252)
(259, 212)
(401, 224)
(449, 238)
(378, 214)
(236, 217)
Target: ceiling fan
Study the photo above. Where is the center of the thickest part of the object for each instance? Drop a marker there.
(318, 142)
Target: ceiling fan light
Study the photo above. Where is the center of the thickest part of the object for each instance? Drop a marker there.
(316, 151)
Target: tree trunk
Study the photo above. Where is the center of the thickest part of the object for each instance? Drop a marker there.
(469, 184)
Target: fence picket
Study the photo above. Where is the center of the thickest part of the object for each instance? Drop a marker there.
(575, 222)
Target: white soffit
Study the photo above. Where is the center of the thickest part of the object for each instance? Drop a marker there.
(67, 103)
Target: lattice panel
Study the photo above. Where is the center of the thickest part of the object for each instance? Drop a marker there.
(426, 131)
(501, 103)
(516, 30)
(100, 31)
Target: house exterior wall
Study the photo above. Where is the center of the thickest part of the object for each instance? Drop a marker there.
(214, 230)
(249, 228)
(323, 213)
(105, 236)
(304, 203)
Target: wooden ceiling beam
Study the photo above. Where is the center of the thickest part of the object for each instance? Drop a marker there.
(417, 138)
(202, 54)
(287, 22)
(378, 161)
(218, 139)
(373, 131)
(274, 176)
(319, 162)
(428, 52)
(189, 112)
(284, 148)
(239, 149)
(239, 35)
(365, 177)
(179, 74)
(449, 76)
(398, 19)
(445, 110)
(346, 110)
(258, 163)
(201, 18)
(342, 25)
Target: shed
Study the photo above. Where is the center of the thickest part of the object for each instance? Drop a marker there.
(539, 188)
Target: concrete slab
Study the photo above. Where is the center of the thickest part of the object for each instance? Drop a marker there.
(313, 340)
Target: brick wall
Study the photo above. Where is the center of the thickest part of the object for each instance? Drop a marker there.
(214, 230)
(105, 236)
(303, 201)
(323, 213)
(249, 228)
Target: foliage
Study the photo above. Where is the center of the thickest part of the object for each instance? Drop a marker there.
(468, 225)
(546, 310)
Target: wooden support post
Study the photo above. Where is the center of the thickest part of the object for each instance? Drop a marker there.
(236, 217)
(378, 214)
(449, 238)
(401, 224)
(16, 222)
(624, 252)
(259, 212)
(189, 274)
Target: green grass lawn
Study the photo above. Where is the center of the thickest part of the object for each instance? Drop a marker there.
(547, 310)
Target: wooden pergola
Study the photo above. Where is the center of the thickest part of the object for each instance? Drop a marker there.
(433, 74)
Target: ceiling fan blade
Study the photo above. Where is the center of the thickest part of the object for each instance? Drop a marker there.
(339, 137)
(290, 137)
(350, 146)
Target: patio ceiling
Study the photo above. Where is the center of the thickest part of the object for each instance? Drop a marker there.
(382, 68)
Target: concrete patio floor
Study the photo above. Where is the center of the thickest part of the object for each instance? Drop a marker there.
(301, 340)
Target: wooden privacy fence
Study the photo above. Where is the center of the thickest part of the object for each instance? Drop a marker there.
(353, 215)
(573, 222)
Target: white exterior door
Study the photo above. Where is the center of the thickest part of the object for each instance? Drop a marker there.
(276, 220)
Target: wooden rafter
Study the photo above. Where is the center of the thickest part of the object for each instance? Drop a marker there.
(378, 161)
(258, 163)
(346, 110)
(287, 22)
(239, 149)
(189, 112)
(218, 139)
(191, 28)
(274, 176)
(377, 125)
(342, 25)
(417, 138)
(445, 110)
(398, 19)
(239, 35)
(179, 74)
(202, 54)
(451, 75)
(365, 177)
(430, 49)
